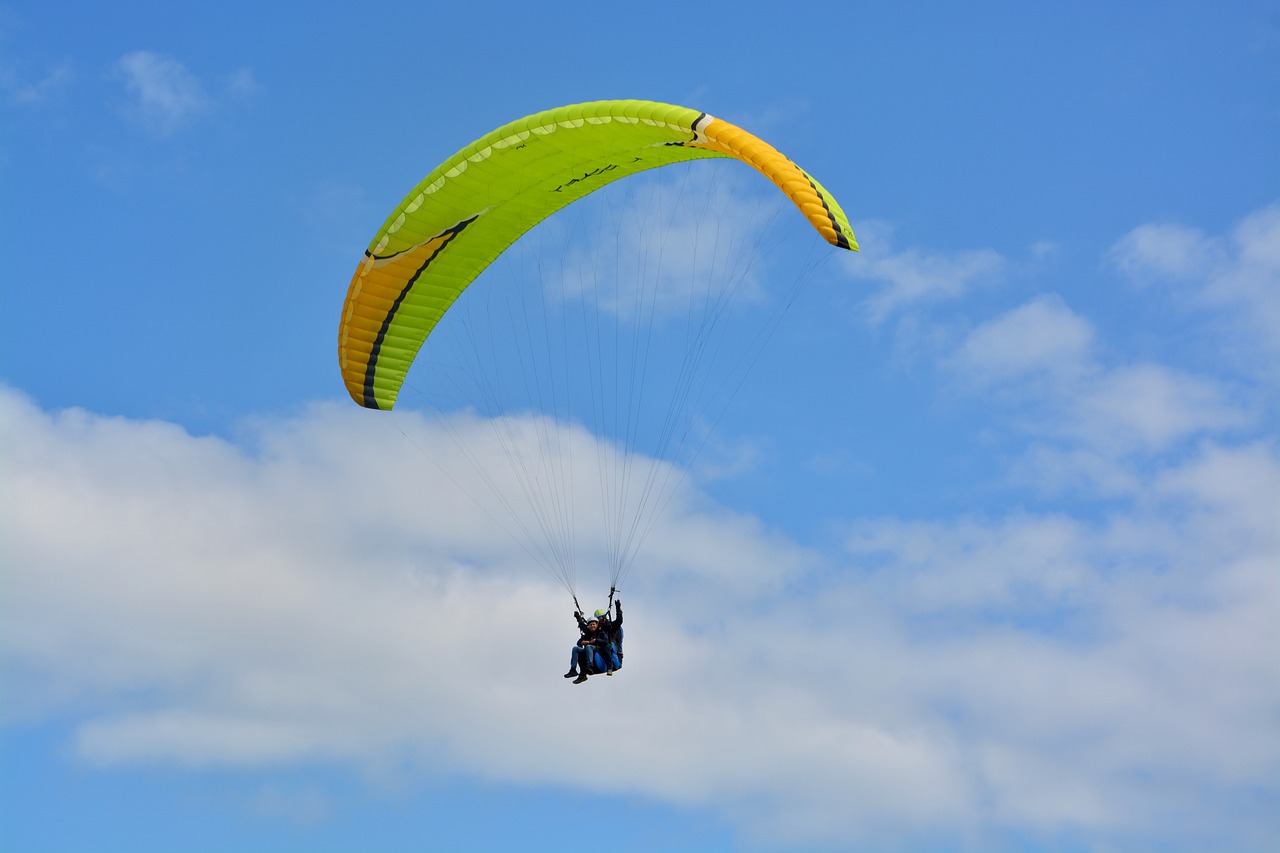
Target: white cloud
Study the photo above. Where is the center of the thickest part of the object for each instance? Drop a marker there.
(37, 91)
(1016, 564)
(691, 236)
(1051, 469)
(915, 277)
(1172, 251)
(1237, 275)
(320, 595)
(243, 83)
(1124, 641)
(1041, 359)
(1045, 250)
(1150, 407)
(1095, 418)
(167, 96)
(1041, 338)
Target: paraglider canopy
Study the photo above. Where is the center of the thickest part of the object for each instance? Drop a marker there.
(479, 201)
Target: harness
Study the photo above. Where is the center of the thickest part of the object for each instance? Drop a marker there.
(614, 633)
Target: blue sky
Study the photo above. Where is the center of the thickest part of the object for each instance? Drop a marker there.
(983, 556)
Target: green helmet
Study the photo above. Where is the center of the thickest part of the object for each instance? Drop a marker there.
(601, 614)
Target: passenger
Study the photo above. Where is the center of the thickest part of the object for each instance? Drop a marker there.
(591, 652)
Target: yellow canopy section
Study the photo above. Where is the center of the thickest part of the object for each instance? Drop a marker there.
(479, 201)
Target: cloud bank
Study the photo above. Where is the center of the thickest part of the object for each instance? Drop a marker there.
(310, 594)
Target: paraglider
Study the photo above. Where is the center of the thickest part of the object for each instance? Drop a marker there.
(599, 646)
(475, 205)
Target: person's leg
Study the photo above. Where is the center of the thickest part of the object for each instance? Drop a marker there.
(599, 661)
(584, 663)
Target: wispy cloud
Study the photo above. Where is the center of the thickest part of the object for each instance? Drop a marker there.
(912, 278)
(167, 96)
(38, 91)
(1041, 338)
(686, 236)
(1041, 360)
(1051, 632)
(1235, 275)
(1095, 419)
(242, 84)
(1148, 407)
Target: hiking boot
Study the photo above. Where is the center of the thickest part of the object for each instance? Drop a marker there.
(580, 678)
(573, 673)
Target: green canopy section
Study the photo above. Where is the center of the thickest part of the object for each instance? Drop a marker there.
(474, 205)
